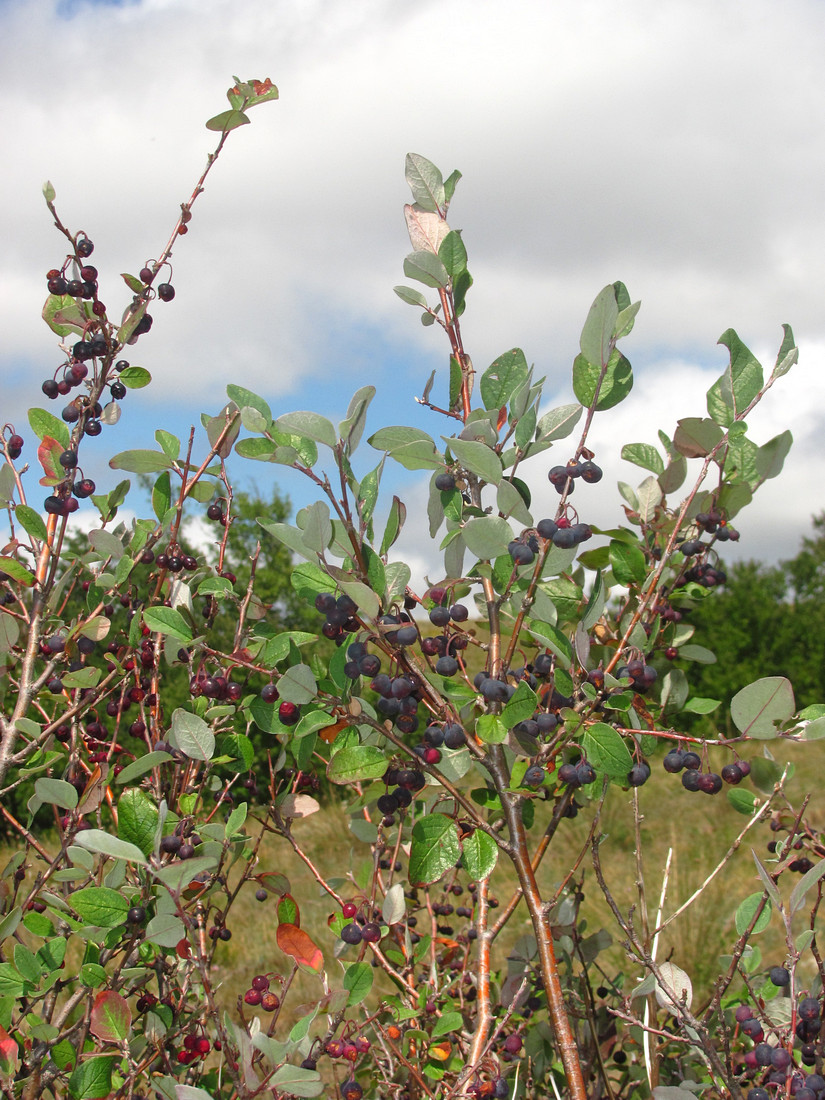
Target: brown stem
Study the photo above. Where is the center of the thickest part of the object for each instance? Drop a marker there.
(565, 1039)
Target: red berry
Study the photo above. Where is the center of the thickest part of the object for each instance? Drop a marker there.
(252, 997)
(349, 909)
(289, 714)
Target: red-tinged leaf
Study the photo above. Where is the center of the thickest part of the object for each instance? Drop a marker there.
(111, 1017)
(293, 941)
(288, 912)
(95, 790)
(48, 454)
(502, 418)
(183, 950)
(9, 1054)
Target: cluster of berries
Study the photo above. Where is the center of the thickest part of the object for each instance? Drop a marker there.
(562, 477)
(339, 615)
(217, 512)
(14, 445)
(165, 291)
(359, 929)
(288, 713)
(689, 763)
(777, 1061)
(349, 1049)
(259, 993)
(643, 676)
(194, 1047)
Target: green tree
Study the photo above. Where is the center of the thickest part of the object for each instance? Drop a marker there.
(768, 620)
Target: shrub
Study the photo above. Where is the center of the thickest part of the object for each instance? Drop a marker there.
(541, 675)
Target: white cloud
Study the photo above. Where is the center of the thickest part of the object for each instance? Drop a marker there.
(675, 146)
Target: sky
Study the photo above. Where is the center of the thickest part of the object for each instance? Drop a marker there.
(677, 146)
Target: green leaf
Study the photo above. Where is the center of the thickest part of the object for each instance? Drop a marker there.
(98, 840)
(358, 981)
(487, 537)
(770, 458)
(757, 708)
(394, 906)
(612, 388)
(45, 424)
(731, 394)
(298, 685)
(698, 653)
(166, 930)
(644, 455)
(426, 268)
(453, 254)
(290, 536)
(31, 522)
(226, 121)
(19, 573)
(626, 319)
(92, 1079)
(352, 426)
(809, 879)
(479, 854)
(477, 458)
(56, 792)
(395, 521)
(627, 562)
(100, 906)
(435, 849)
(63, 315)
(410, 296)
(316, 526)
(355, 763)
(296, 1081)
(520, 707)
(558, 423)
(448, 1021)
(192, 735)
(596, 341)
(701, 706)
(137, 819)
(142, 765)
(510, 502)
(695, 437)
(162, 496)
(245, 398)
(765, 774)
(410, 447)
(309, 424)
(788, 354)
(491, 729)
(141, 462)
(555, 640)
(606, 750)
(502, 378)
(746, 911)
(135, 378)
(166, 620)
(595, 604)
(426, 182)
